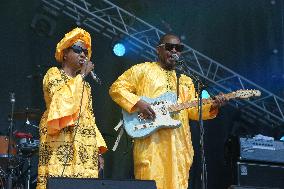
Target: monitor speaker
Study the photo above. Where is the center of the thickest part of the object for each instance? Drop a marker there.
(88, 183)
(260, 175)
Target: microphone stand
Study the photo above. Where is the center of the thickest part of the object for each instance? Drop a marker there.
(200, 86)
(10, 167)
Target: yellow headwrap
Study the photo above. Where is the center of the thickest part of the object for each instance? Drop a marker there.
(71, 38)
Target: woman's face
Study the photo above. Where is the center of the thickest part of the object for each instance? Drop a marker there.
(76, 55)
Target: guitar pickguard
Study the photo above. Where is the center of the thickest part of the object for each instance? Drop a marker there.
(140, 128)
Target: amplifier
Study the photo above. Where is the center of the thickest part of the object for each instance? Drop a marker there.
(88, 183)
(261, 150)
(260, 175)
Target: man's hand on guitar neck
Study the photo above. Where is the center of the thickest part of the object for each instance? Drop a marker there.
(219, 100)
(145, 110)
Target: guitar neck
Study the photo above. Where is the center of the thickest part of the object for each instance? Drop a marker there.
(194, 103)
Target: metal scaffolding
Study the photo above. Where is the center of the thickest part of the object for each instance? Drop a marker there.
(106, 18)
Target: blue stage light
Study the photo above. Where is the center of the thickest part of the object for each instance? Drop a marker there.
(119, 49)
(205, 94)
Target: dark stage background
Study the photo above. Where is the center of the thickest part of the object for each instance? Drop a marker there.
(246, 36)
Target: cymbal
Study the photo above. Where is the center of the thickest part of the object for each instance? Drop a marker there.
(27, 113)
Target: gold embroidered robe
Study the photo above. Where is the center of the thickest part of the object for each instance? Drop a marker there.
(59, 125)
(166, 155)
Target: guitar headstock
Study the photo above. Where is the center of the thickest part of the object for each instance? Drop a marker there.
(246, 93)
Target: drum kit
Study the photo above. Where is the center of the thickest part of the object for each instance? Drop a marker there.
(16, 151)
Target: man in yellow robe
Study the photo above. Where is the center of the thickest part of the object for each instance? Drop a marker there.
(70, 142)
(166, 155)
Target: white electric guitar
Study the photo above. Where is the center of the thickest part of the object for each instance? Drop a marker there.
(164, 106)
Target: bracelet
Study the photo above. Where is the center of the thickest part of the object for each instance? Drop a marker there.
(83, 76)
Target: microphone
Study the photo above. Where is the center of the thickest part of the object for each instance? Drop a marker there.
(94, 76)
(175, 57)
(182, 69)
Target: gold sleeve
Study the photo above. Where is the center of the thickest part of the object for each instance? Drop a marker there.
(65, 102)
(100, 141)
(123, 90)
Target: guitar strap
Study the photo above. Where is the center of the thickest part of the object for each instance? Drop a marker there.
(178, 76)
(119, 125)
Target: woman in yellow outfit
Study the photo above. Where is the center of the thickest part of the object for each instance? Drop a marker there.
(166, 155)
(70, 142)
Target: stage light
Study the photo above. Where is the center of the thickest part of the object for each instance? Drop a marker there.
(205, 94)
(44, 21)
(43, 25)
(119, 49)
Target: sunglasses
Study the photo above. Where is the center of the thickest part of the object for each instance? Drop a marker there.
(78, 50)
(170, 46)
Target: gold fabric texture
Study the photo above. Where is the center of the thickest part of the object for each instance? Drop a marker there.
(69, 39)
(166, 155)
(79, 159)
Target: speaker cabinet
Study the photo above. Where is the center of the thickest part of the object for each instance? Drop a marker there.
(260, 175)
(86, 183)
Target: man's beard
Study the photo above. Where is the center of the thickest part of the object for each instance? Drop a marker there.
(168, 65)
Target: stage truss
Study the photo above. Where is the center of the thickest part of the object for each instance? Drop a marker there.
(106, 18)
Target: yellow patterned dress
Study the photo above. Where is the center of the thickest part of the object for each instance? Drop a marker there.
(69, 146)
(166, 155)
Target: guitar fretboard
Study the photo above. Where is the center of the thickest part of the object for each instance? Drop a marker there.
(191, 104)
